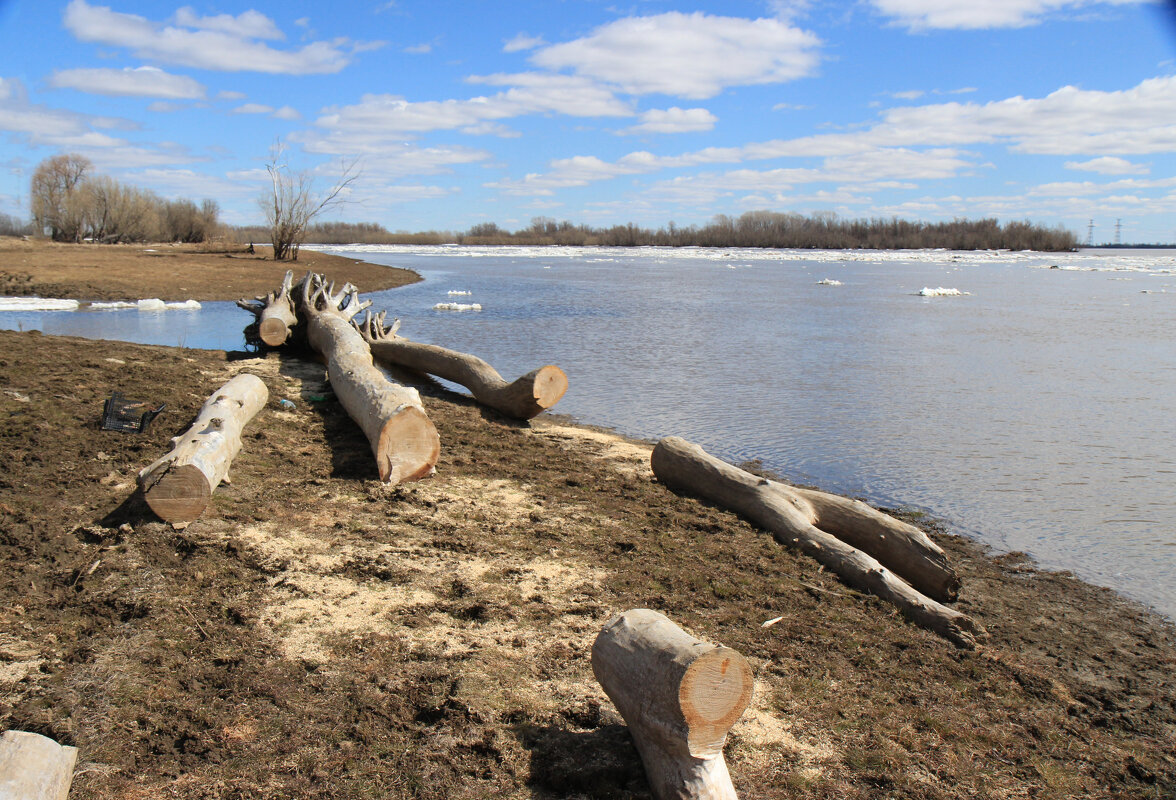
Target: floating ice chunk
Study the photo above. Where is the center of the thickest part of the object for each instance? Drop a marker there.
(927, 291)
(36, 304)
(149, 304)
(459, 293)
(458, 307)
(828, 282)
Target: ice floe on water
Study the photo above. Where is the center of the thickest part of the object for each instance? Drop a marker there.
(147, 304)
(939, 291)
(459, 293)
(36, 304)
(458, 307)
(829, 282)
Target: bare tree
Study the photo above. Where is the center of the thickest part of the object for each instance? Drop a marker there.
(292, 202)
(51, 195)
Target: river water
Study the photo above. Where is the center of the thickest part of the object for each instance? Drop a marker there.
(1033, 411)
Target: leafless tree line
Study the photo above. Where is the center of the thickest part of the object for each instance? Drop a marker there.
(70, 203)
(753, 229)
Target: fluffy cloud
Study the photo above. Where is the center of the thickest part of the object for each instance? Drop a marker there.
(674, 120)
(970, 14)
(686, 55)
(1109, 165)
(223, 43)
(138, 82)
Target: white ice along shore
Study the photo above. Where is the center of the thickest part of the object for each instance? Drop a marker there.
(828, 282)
(37, 304)
(458, 307)
(149, 304)
(927, 291)
(459, 293)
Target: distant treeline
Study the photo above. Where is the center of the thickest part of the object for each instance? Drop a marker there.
(753, 229)
(70, 203)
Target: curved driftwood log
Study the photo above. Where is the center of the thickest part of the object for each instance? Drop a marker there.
(179, 485)
(275, 312)
(402, 436)
(678, 695)
(523, 398)
(792, 517)
(33, 767)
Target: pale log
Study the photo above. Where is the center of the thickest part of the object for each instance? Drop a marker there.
(179, 485)
(793, 517)
(679, 696)
(33, 767)
(522, 398)
(275, 312)
(401, 435)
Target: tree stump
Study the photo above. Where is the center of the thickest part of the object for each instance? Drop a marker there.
(33, 767)
(522, 398)
(274, 312)
(793, 516)
(679, 696)
(179, 485)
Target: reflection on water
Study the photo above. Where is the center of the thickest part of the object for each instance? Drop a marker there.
(1032, 412)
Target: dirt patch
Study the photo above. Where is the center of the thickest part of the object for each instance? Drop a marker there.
(168, 271)
(316, 634)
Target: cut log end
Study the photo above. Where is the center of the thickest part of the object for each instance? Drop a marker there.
(273, 331)
(550, 384)
(180, 495)
(714, 693)
(408, 447)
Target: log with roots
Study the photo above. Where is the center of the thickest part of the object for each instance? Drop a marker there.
(402, 436)
(274, 312)
(678, 695)
(33, 767)
(869, 550)
(523, 398)
(179, 485)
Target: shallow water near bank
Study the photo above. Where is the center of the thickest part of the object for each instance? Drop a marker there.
(1031, 410)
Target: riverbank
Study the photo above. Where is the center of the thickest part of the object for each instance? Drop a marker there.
(169, 272)
(316, 634)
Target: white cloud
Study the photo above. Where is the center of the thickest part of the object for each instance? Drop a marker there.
(249, 25)
(522, 42)
(43, 125)
(389, 117)
(227, 95)
(973, 14)
(674, 120)
(419, 49)
(203, 42)
(287, 112)
(137, 82)
(253, 108)
(1109, 165)
(686, 55)
(910, 94)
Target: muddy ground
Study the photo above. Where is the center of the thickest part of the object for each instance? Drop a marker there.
(173, 272)
(316, 634)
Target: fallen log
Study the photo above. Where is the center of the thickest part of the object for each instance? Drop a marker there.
(274, 312)
(401, 435)
(522, 398)
(793, 517)
(33, 767)
(678, 695)
(179, 485)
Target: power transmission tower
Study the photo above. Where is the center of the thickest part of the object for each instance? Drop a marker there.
(1090, 234)
(1118, 224)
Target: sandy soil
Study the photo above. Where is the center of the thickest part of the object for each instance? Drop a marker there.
(316, 634)
(169, 272)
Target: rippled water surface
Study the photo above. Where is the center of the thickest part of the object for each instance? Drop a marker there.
(1035, 411)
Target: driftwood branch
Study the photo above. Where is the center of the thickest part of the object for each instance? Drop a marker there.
(179, 485)
(522, 398)
(679, 696)
(402, 437)
(275, 312)
(793, 518)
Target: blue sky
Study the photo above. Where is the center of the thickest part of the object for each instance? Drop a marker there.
(1056, 111)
